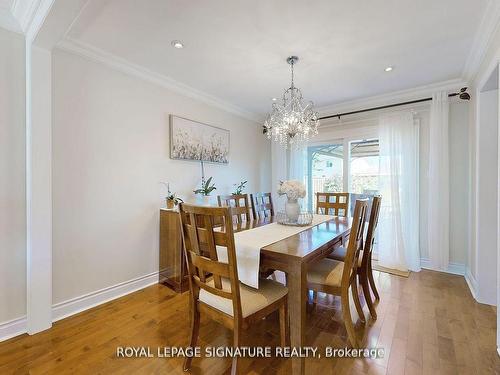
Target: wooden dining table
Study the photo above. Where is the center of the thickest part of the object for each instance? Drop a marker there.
(293, 255)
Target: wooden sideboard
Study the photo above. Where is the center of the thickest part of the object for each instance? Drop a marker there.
(172, 271)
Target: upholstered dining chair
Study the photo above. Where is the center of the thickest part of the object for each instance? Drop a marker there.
(335, 277)
(336, 204)
(238, 204)
(365, 270)
(262, 205)
(221, 296)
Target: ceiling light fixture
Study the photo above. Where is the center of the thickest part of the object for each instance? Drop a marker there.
(292, 122)
(177, 44)
(389, 69)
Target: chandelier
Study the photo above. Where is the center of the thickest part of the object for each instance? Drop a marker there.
(292, 121)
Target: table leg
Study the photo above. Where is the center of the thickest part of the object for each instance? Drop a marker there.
(297, 283)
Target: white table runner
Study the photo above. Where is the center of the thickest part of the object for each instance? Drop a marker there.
(249, 242)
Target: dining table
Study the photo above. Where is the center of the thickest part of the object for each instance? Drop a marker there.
(293, 255)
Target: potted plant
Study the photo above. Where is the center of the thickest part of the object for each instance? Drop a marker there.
(239, 188)
(172, 199)
(206, 188)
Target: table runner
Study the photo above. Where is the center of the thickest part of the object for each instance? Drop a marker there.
(249, 242)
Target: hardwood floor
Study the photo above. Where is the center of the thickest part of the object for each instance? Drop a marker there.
(427, 324)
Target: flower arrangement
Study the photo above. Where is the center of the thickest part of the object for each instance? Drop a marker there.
(293, 189)
(239, 188)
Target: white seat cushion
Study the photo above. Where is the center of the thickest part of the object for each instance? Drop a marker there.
(252, 300)
(326, 272)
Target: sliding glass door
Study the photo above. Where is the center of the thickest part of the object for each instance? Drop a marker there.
(349, 164)
(363, 169)
(326, 170)
(364, 166)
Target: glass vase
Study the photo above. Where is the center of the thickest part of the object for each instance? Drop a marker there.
(292, 210)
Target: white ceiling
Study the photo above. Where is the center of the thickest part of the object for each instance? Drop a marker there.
(235, 50)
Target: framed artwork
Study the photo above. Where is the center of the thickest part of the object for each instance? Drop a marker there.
(192, 140)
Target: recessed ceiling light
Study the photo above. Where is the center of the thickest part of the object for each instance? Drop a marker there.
(177, 44)
(389, 68)
(274, 99)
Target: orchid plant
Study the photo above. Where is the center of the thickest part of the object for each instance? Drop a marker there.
(206, 187)
(172, 197)
(239, 188)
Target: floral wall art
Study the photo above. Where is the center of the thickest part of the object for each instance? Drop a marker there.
(192, 140)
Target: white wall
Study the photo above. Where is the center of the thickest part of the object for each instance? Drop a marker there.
(487, 195)
(12, 178)
(459, 181)
(489, 64)
(480, 80)
(39, 190)
(110, 151)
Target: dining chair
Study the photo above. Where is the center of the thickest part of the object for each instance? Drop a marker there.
(336, 204)
(215, 289)
(335, 277)
(238, 204)
(262, 205)
(365, 270)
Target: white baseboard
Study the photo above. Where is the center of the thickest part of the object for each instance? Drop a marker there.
(73, 306)
(474, 289)
(453, 267)
(12, 328)
(472, 283)
(456, 268)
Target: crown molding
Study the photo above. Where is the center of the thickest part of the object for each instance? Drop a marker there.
(7, 19)
(415, 93)
(18, 15)
(482, 39)
(117, 63)
(23, 11)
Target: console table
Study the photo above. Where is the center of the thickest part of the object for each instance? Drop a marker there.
(172, 272)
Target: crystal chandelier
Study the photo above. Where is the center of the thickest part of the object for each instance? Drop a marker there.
(292, 121)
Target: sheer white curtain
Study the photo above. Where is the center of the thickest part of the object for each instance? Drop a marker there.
(278, 172)
(398, 221)
(288, 164)
(439, 191)
(297, 168)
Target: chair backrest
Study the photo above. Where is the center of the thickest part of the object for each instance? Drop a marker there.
(336, 204)
(238, 205)
(355, 244)
(372, 226)
(201, 237)
(262, 205)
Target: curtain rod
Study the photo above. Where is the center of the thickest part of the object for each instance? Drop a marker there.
(462, 95)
